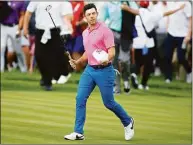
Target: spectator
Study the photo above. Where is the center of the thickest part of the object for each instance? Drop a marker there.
(153, 7)
(49, 51)
(63, 73)
(179, 34)
(144, 43)
(119, 24)
(11, 27)
(161, 34)
(32, 30)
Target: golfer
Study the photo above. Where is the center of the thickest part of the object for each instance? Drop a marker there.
(99, 47)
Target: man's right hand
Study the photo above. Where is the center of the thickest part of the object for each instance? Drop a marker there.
(73, 63)
(182, 6)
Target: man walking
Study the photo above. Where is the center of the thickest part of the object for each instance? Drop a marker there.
(99, 47)
(178, 36)
(49, 50)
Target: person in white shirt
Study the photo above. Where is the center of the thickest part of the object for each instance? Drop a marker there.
(145, 23)
(179, 34)
(161, 33)
(49, 51)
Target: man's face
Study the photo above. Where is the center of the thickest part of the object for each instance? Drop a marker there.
(91, 16)
(154, 2)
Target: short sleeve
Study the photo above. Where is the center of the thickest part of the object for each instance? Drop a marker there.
(187, 9)
(32, 6)
(108, 38)
(66, 8)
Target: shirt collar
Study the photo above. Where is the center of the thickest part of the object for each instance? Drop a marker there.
(96, 27)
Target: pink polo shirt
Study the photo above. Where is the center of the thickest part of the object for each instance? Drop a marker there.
(101, 37)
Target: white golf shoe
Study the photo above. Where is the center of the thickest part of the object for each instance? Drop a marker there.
(54, 81)
(129, 130)
(62, 80)
(74, 136)
(189, 78)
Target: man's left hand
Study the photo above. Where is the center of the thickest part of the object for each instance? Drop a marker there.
(106, 62)
(18, 33)
(187, 39)
(124, 6)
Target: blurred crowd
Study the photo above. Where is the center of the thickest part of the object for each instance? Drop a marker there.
(151, 38)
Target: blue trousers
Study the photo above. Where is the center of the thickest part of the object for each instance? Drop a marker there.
(104, 79)
(171, 43)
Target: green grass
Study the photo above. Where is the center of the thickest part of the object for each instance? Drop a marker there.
(30, 115)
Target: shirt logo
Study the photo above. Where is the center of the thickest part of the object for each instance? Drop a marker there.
(98, 51)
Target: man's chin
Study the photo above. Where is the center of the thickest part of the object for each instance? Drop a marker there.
(92, 23)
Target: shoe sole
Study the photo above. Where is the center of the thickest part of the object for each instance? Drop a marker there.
(72, 139)
(127, 93)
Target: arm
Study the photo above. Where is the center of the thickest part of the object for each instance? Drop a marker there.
(167, 23)
(82, 59)
(30, 9)
(67, 14)
(188, 36)
(82, 22)
(109, 44)
(188, 13)
(67, 20)
(21, 20)
(173, 11)
(111, 53)
(129, 9)
(190, 26)
(26, 23)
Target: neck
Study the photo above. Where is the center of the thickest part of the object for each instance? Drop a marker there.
(92, 26)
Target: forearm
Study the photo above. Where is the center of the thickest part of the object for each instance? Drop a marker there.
(171, 12)
(21, 20)
(131, 10)
(67, 20)
(27, 18)
(111, 53)
(190, 27)
(167, 23)
(82, 59)
(82, 22)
